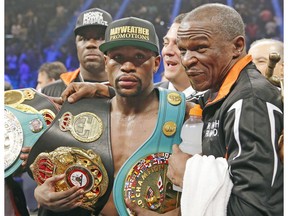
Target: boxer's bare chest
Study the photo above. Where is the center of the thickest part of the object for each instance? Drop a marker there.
(128, 134)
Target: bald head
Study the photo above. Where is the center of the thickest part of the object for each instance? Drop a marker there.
(260, 51)
(227, 22)
(211, 39)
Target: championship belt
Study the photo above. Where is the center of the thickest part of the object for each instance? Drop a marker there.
(82, 129)
(31, 101)
(21, 129)
(142, 178)
(82, 168)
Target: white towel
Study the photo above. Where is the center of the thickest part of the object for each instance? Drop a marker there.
(206, 187)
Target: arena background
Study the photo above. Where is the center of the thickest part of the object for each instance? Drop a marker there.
(38, 31)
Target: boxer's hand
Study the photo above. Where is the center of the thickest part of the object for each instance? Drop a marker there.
(24, 155)
(176, 165)
(76, 91)
(57, 201)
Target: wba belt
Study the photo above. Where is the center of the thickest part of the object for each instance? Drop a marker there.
(77, 143)
(21, 129)
(142, 178)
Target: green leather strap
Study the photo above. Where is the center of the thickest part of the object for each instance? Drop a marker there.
(158, 142)
(29, 137)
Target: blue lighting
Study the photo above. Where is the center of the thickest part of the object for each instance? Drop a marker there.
(121, 9)
(278, 13)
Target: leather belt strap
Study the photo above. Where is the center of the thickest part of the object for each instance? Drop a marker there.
(40, 101)
(155, 150)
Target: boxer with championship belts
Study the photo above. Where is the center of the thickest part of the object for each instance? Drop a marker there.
(132, 133)
(27, 114)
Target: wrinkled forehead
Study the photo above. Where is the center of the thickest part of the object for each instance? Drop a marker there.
(195, 30)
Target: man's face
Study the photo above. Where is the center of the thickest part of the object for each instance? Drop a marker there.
(43, 80)
(130, 69)
(88, 41)
(171, 54)
(260, 53)
(205, 55)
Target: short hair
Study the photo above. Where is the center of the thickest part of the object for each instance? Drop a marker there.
(179, 18)
(227, 22)
(7, 86)
(53, 69)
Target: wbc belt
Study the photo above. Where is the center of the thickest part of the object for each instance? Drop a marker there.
(142, 178)
(21, 129)
(30, 100)
(77, 143)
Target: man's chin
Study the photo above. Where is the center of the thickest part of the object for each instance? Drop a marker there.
(92, 66)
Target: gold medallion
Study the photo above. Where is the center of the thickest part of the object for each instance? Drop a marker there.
(29, 94)
(82, 168)
(36, 125)
(48, 115)
(169, 128)
(13, 97)
(25, 108)
(85, 127)
(147, 185)
(174, 98)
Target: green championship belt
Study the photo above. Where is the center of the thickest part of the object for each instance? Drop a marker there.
(142, 178)
(21, 129)
(27, 114)
(31, 101)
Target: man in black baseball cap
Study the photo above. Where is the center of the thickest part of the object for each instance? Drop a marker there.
(89, 35)
(92, 17)
(131, 31)
(140, 116)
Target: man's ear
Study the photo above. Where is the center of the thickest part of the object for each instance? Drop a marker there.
(157, 63)
(239, 46)
(105, 61)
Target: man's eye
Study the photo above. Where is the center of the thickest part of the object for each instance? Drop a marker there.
(117, 57)
(99, 38)
(262, 62)
(139, 56)
(165, 43)
(182, 52)
(201, 49)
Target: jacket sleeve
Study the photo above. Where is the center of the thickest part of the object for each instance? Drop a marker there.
(252, 128)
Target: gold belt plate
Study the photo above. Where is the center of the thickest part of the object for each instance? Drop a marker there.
(83, 168)
(147, 185)
(85, 127)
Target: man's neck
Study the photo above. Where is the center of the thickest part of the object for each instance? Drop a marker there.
(136, 104)
(95, 76)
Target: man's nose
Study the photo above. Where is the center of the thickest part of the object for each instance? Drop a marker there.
(128, 66)
(189, 59)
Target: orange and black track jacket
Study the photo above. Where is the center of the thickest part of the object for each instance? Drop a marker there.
(243, 124)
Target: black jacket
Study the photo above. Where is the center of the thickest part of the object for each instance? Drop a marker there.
(244, 124)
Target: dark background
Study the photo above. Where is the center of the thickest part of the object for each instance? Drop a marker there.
(38, 31)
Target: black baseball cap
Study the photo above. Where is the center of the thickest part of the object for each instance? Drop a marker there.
(92, 17)
(130, 31)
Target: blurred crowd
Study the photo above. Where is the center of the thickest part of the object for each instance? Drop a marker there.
(35, 29)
